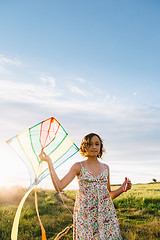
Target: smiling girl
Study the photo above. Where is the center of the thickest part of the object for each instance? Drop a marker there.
(94, 213)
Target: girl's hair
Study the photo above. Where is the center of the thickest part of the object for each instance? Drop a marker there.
(85, 144)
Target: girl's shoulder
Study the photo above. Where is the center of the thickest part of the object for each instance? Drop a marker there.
(77, 167)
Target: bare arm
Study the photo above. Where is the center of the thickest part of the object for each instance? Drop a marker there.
(60, 184)
(119, 191)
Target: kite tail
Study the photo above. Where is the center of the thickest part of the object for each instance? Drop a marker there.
(14, 232)
(64, 232)
(41, 225)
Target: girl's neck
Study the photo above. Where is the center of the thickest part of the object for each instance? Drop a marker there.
(92, 159)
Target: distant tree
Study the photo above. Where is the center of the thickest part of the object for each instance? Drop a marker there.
(154, 180)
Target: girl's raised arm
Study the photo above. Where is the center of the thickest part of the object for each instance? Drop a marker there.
(60, 184)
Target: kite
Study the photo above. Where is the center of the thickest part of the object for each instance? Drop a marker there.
(51, 136)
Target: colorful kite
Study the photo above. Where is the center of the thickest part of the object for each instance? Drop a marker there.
(51, 136)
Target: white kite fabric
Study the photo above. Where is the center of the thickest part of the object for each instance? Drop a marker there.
(50, 136)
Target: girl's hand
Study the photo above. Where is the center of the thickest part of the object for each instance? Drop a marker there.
(44, 157)
(129, 184)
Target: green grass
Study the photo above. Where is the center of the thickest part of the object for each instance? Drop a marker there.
(138, 212)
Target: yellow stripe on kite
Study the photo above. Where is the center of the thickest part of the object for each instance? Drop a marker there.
(14, 232)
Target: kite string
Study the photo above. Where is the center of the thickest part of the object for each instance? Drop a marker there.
(65, 231)
(59, 192)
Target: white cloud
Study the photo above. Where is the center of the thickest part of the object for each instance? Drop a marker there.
(25, 92)
(82, 87)
(106, 107)
(79, 91)
(50, 80)
(81, 80)
(116, 117)
(10, 61)
(5, 62)
(3, 70)
(91, 87)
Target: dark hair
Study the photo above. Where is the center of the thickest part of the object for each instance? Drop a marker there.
(85, 144)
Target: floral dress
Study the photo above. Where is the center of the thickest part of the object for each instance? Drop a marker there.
(94, 213)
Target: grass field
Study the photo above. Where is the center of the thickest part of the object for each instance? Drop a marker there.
(138, 212)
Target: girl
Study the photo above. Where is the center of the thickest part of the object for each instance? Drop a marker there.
(94, 213)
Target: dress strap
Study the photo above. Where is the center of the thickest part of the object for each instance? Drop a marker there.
(81, 172)
(81, 164)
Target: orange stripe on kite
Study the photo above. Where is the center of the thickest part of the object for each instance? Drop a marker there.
(41, 225)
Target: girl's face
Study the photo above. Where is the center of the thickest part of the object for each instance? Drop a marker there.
(94, 147)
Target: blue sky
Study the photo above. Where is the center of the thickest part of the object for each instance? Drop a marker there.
(93, 65)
